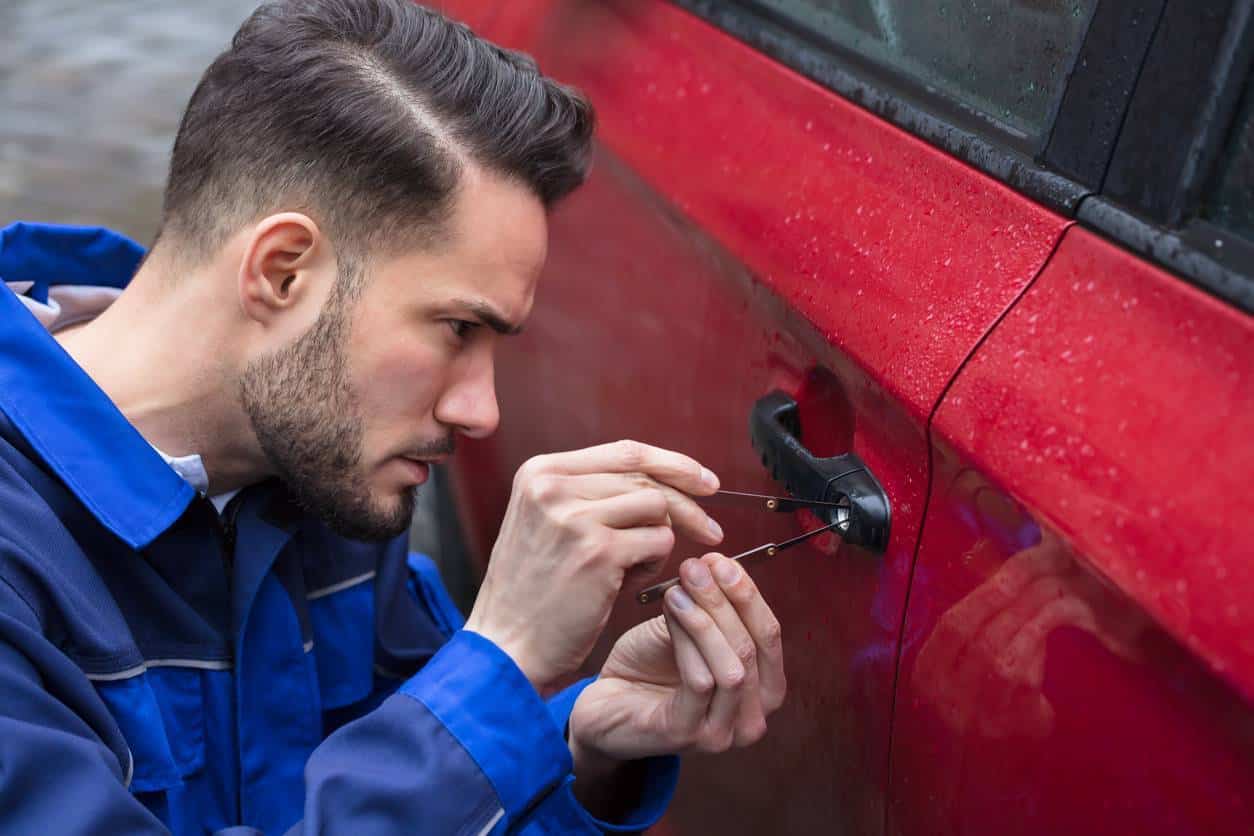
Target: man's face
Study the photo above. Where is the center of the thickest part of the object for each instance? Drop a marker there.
(351, 414)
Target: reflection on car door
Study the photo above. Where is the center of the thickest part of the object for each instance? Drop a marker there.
(1079, 653)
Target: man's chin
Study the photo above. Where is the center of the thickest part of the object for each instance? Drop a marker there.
(375, 521)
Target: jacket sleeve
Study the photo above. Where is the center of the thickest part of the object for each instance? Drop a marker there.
(466, 746)
(660, 777)
(64, 766)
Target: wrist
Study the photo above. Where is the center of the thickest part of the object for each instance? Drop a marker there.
(599, 779)
(590, 764)
(513, 649)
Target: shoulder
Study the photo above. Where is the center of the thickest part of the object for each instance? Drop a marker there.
(54, 585)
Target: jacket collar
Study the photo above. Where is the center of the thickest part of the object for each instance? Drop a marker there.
(64, 416)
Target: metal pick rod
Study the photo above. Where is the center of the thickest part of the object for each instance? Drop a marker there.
(656, 591)
(773, 503)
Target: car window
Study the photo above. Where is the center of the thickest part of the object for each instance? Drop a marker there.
(1008, 60)
(1231, 203)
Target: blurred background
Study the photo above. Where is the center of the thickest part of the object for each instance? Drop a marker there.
(91, 93)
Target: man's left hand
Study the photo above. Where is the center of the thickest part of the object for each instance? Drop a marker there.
(703, 676)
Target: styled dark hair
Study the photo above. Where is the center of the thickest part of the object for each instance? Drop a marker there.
(363, 113)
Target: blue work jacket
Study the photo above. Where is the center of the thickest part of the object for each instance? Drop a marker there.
(166, 668)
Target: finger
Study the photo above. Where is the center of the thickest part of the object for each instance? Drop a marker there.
(1011, 709)
(686, 516)
(937, 662)
(642, 545)
(751, 719)
(1006, 584)
(675, 469)
(744, 718)
(1009, 653)
(1022, 658)
(693, 699)
(762, 625)
(1003, 626)
(640, 507)
(720, 725)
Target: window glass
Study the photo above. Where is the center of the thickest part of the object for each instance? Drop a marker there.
(1005, 59)
(1232, 201)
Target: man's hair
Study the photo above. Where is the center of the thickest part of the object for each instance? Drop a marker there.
(363, 114)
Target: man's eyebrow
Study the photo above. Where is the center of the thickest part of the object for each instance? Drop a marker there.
(491, 317)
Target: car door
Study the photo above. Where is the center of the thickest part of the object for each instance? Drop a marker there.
(1079, 649)
(750, 230)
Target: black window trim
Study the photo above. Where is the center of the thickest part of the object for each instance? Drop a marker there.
(1182, 251)
(1094, 104)
(1068, 171)
(1162, 223)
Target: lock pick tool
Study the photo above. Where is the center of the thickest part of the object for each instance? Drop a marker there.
(779, 504)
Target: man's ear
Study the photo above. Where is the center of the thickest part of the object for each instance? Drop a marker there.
(286, 264)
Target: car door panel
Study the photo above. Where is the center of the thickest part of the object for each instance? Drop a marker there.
(690, 387)
(1079, 650)
(900, 254)
(746, 230)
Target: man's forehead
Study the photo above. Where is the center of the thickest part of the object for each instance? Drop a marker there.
(485, 286)
(497, 218)
(487, 263)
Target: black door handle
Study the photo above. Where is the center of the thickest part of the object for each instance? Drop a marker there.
(775, 431)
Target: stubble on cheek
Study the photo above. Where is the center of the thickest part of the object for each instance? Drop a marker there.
(308, 422)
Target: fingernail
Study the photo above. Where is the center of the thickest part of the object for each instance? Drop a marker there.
(726, 571)
(715, 528)
(697, 574)
(708, 477)
(679, 598)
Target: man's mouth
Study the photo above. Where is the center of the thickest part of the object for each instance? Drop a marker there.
(420, 469)
(427, 459)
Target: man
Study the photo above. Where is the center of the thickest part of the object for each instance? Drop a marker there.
(208, 622)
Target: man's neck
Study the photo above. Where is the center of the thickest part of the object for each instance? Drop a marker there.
(163, 356)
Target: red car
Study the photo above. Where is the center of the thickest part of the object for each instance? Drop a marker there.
(982, 269)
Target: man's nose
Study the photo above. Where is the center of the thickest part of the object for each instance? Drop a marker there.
(469, 403)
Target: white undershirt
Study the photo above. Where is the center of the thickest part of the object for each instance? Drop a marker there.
(192, 469)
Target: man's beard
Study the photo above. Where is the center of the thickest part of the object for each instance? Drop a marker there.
(308, 422)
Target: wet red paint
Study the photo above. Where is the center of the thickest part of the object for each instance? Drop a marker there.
(898, 255)
(1080, 632)
(745, 230)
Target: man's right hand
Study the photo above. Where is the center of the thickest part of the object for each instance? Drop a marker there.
(576, 523)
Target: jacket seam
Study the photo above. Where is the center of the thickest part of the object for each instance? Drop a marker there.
(469, 753)
(90, 665)
(17, 592)
(339, 586)
(477, 825)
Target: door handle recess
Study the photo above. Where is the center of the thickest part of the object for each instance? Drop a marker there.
(775, 432)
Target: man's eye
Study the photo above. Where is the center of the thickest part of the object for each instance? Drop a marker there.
(461, 327)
